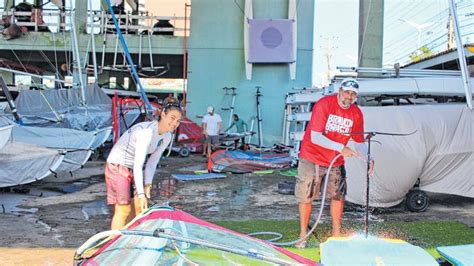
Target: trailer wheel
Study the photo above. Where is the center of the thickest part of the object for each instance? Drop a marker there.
(184, 152)
(417, 201)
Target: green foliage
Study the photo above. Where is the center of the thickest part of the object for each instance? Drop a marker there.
(420, 54)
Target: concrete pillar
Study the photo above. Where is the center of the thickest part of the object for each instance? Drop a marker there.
(371, 33)
(81, 16)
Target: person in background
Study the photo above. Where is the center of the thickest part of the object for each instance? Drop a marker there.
(333, 119)
(124, 174)
(241, 127)
(212, 125)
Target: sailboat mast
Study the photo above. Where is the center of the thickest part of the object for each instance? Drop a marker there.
(462, 57)
(129, 59)
(76, 52)
(94, 58)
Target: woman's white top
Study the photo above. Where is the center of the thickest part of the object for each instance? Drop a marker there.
(134, 145)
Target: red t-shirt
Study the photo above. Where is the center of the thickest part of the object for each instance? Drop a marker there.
(336, 124)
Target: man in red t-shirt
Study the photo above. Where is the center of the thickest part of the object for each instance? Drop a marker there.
(333, 119)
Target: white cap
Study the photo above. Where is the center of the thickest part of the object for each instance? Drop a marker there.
(350, 84)
(210, 109)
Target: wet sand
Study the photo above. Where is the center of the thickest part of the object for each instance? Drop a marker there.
(46, 225)
(36, 256)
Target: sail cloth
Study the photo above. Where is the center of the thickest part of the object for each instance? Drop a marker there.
(458, 255)
(22, 163)
(5, 131)
(359, 250)
(146, 250)
(241, 162)
(77, 144)
(439, 153)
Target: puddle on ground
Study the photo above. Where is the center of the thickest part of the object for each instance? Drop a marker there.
(70, 187)
(9, 201)
(239, 197)
(192, 168)
(95, 208)
(166, 188)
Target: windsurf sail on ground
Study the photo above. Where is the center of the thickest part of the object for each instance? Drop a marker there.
(189, 177)
(166, 236)
(240, 162)
(359, 250)
(458, 255)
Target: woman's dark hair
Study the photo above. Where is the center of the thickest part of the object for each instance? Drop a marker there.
(171, 103)
(236, 116)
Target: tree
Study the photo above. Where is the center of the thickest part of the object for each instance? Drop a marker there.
(420, 54)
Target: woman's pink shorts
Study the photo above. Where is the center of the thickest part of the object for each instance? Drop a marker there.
(118, 179)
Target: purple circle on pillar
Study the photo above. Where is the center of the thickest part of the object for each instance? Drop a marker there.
(271, 38)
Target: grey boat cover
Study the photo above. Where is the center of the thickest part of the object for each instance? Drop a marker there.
(5, 131)
(22, 163)
(440, 153)
(76, 144)
(64, 108)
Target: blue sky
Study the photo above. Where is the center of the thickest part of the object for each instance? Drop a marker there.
(337, 26)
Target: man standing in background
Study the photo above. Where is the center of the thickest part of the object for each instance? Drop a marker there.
(212, 125)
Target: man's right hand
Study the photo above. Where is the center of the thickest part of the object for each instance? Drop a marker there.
(348, 152)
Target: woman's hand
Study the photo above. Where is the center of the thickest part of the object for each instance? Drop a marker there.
(142, 203)
(148, 191)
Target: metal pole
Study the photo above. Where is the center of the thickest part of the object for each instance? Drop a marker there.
(29, 74)
(259, 119)
(185, 55)
(10, 101)
(130, 60)
(232, 106)
(115, 51)
(94, 59)
(243, 252)
(104, 43)
(76, 52)
(366, 220)
(140, 38)
(462, 57)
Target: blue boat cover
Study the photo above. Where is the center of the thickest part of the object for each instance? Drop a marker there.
(458, 255)
(197, 177)
(358, 250)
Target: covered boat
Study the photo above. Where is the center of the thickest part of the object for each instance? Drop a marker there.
(439, 153)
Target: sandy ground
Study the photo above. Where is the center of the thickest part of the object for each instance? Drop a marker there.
(45, 225)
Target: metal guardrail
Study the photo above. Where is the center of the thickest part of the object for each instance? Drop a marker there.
(129, 24)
